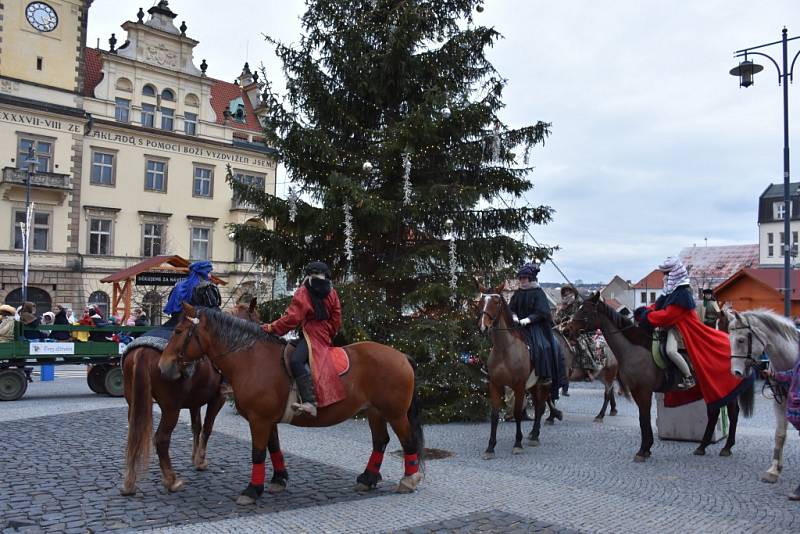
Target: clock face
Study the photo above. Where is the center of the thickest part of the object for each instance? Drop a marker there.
(41, 16)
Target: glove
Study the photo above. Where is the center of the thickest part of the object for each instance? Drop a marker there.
(524, 322)
(267, 327)
(515, 318)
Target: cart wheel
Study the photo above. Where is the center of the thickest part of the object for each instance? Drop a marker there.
(13, 384)
(95, 379)
(113, 382)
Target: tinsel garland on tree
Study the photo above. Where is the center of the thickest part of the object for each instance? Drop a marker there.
(371, 87)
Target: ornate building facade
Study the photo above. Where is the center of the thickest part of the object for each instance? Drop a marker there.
(132, 147)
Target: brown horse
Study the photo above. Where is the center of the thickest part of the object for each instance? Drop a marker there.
(606, 375)
(632, 347)
(143, 382)
(509, 365)
(380, 379)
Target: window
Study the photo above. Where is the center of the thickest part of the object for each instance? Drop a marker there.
(100, 300)
(652, 297)
(102, 168)
(200, 243)
(167, 119)
(152, 236)
(203, 180)
(781, 235)
(123, 110)
(190, 123)
(155, 177)
(168, 95)
(43, 151)
(794, 238)
(40, 234)
(779, 209)
(243, 255)
(39, 63)
(643, 297)
(148, 115)
(770, 251)
(770, 237)
(100, 236)
(148, 90)
(253, 180)
(152, 305)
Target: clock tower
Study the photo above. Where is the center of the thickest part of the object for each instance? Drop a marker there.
(42, 42)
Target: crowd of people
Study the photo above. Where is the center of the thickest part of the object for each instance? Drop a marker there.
(92, 316)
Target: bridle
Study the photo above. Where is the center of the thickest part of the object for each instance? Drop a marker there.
(585, 321)
(180, 358)
(750, 335)
(492, 318)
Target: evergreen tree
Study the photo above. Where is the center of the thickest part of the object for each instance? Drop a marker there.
(377, 91)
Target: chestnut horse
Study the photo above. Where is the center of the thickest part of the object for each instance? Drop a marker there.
(631, 345)
(380, 379)
(143, 382)
(509, 365)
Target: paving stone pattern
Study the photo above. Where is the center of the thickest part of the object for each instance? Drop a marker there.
(69, 470)
(493, 521)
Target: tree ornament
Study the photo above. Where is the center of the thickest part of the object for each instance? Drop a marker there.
(479, 9)
(446, 113)
(406, 178)
(348, 232)
(403, 107)
(496, 142)
(367, 167)
(453, 265)
(292, 200)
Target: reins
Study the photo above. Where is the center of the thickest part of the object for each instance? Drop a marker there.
(778, 391)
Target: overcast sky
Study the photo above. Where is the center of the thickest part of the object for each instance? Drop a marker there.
(654, 146)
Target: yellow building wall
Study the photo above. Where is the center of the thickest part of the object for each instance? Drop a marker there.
(22, 44)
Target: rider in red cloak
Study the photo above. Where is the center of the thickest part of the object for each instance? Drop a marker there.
(709, 349)
(315, 308)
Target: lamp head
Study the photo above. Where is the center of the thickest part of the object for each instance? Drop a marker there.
(745, 71)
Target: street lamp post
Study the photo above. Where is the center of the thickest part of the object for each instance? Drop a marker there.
(745, 71)
(30, 163)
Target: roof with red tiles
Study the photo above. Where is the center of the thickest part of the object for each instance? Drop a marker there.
(92, 70)
(709, 266)
(654, 280)
(222, 93)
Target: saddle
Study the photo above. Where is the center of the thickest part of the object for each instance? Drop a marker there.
(341, 363)
(663, 362)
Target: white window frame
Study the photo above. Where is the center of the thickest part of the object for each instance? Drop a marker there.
(118, 109)
(103, 165)
(197, 167)
(22, 155)
(164, 174)
(190, 123)
(193, 239)
(152, 237)
(167, 114)
(15, 228)
(148, 115)
(100, 232)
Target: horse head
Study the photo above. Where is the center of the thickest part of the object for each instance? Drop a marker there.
(247, 312)
(748, 342)
(187, 344)
(490, 307)
(586, 317)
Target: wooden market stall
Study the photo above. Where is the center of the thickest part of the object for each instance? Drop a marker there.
(155, 271)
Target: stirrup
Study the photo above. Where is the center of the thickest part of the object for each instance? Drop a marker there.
(305, 407)
(687, 383)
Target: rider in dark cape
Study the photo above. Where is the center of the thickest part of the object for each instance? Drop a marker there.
(315, 308)
(531, 310)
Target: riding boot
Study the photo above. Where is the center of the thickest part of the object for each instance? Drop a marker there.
(309, 401)
(688, 382)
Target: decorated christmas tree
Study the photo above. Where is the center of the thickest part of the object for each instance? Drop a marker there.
(403, 179)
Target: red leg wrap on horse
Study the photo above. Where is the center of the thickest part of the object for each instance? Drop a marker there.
(277, 461)
(257, 475)
(412, 463)
(375, 461)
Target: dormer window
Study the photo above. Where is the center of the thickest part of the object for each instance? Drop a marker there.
(168, 95)
(779, 210)
(149, 90)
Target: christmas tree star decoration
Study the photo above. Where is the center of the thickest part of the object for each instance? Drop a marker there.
(406, 178)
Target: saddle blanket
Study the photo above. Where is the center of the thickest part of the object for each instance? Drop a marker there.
(341, 363)
(157, 343)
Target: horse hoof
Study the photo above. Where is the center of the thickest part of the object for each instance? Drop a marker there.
(769, 478)
(613, 413)
(794, 496)
(598, 419)
(533, 442)
(361, 488)
(639, 458)
(127, 492)
(244, 500)
(517, 450)
(275, 488)
(725, 452)
(548, 422)
(699, 452)
(201, 467)
(488, 456)
(176, 486)
(409, 483)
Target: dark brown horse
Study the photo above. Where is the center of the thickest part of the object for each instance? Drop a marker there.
(606, 375)
(509, 365)
(380, 379)
(143, 382)
(632, 347)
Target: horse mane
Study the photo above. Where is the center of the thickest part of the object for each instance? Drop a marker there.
(509, 317)
(235, 333)
(777, 323)
(633, 333)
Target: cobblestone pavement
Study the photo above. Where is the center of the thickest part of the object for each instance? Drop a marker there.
(581, 478)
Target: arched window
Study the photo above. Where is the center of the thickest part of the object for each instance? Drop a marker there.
(149, 90)
(192, 101)
(124, 84)
(100, 300)
(152, 304)
(168, 95)
(40, 297)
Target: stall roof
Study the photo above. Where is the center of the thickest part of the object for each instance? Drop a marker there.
(156, 263)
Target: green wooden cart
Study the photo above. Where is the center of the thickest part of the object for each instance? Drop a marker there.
(104, 374)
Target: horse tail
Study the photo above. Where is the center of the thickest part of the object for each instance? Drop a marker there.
(747, 399)
(140, 414)
(415, 418)
(623, 389)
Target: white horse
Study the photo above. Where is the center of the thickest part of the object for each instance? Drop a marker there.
(752, 333)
